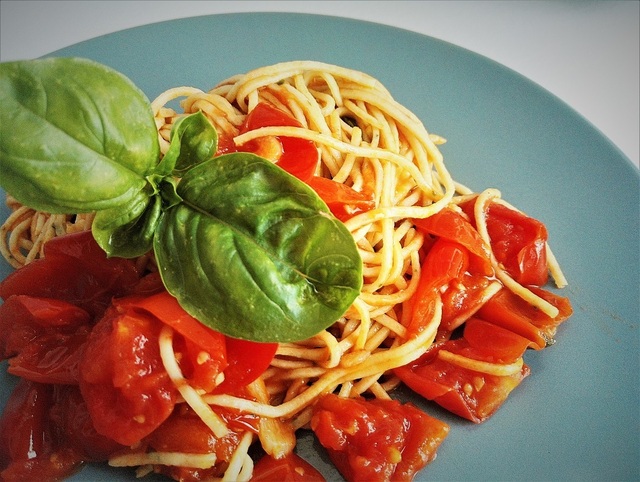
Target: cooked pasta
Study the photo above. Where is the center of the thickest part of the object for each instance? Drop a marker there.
(369, 142)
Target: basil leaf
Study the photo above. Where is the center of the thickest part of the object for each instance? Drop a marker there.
(193, 140)
(75, 135)
(254, 253)
(127, 231)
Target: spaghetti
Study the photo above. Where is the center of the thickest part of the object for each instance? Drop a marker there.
(369, 142)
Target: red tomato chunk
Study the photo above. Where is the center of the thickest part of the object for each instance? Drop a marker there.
(291, 468)
(376, 440)
(468, 393)
(82, 331)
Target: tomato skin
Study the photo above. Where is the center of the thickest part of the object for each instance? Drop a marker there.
(204, 349)
(167, 309)
(452, 226)
(43, 338)
(491, 343)
(343, 201)
(467, 393)
(509, 311)
(377, 440)
(70, 417)
(461, 299)
(298, 157)
(28, 447)
(291, 468)
(75, 270)
(185, 432)
(122, 378)
(23, 318)
(444, 262)
(518, 242)
(247, 360)
(241, 361)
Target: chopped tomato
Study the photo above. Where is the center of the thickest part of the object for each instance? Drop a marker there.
(23, 318)
(205, 348)
(291, 468)
(241, 361)
(343, 201)
(225, 144)
(492, 343)
(75, 270)
(122, 378)
(28, 447)
(70, 417)
(377, 440)
(167, 309)
(474, 395)
(510, 311)
(451, 225)
(298, 157)
(461, 299)
(43, 338)
(518, 243)
(185, 432)
(445, 261)
(247, 360)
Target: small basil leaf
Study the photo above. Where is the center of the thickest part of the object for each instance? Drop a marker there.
(193, 140)
(127, 231)
(168, 192)
(75, 135)
(254, 253)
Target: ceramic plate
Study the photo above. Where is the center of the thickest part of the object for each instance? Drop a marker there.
(577, 416)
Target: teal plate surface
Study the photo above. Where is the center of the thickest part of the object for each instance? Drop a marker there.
(577, 416)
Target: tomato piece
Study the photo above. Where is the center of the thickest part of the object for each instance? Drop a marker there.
(242, 361)
(451, 225)
(43, 337)
(461, 299)
(50, 358)
(376, 440)
(75, 270)
(166, 308)
(492, 343)
(445, 261)
(23, 318)
(467, 393)
(122, 378)
(247, 361)
(518, 242)
(343, 201)
(70, 417)
(225, 144)
(298, 157)
(509, 311)
(291, 468)
(28, 447)
(185, 432)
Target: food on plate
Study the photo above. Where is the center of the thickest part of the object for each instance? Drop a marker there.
(201, 277)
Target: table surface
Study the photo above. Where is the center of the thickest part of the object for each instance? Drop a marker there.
(585, 53)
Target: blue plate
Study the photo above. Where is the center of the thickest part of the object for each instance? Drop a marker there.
(577, 416)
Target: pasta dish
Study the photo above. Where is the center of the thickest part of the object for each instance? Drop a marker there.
(446, 272)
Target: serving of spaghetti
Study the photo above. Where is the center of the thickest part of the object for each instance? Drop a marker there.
(399, 187)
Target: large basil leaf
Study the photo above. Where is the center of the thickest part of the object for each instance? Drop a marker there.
(254, 253)
(75, 135)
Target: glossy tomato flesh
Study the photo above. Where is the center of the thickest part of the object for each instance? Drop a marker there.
(376, 440)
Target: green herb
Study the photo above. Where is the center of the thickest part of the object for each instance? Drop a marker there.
(246, 248)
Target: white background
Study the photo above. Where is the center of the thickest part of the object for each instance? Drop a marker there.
(584, 52)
